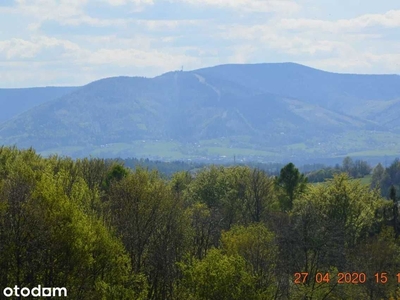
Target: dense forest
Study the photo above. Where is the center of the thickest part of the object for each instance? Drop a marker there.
(169, 168)
(105, 231)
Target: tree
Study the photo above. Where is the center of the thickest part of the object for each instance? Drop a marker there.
(261, 195)
(94, 171)
(349, 205)
(347, 165)
(116, 173)
(169, 244)
(47, 236)
(394, 172)
(325, 224)
(207, 187)
(233, 181)
(378, 175)
(308, 243)
(180, 182)
(378, 254)
(256, 244)
(291, 183)
(203, 227)
(223, 190)
(321, 175)
(152, 226)
(217, 277)
(392, 196)
(360, 169)
(15, 194)
(135, 206)
(385, 178)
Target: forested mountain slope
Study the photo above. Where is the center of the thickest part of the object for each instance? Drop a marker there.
(17, 100)
(340, 92)
(269, 110)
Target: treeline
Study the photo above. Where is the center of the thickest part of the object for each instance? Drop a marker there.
(381, 177)
(104, 231)
(355, 169)
(169, 168)
(385, 178)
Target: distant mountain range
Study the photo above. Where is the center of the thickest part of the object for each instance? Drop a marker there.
(257, 111)
(16, 101)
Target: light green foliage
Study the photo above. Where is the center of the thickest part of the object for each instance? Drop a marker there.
(322, 175)
(180, 182)
(240, 194)
(256, 244)
(234, 182)
(327, 223)
(207, 187)
(349, 205)
(49, 238)
(223, 191)
(218, 277)
(105, 232)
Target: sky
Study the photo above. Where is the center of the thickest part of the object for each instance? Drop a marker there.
(74, 42)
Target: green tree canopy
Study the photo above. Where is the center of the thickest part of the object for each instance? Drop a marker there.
(291, 183)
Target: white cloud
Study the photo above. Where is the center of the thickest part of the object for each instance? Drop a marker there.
(16, 49)
(72, 13)
(135, 52)
(84, 19)
(139, 58)
(242, 53)
(168, 24)
(134, 5)
(65, 12)
(130, 43)
(390, 19)
(358, 63)
(51, 9)
(112, 41)
(390, 61)
(287, 6)
(339, 39)
(346, 45)
(124, 2)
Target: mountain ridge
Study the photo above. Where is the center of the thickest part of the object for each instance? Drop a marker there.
(13, 101)
(268, 109)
